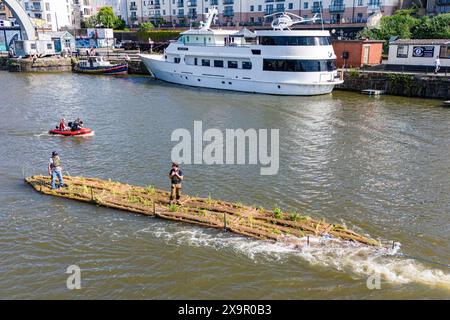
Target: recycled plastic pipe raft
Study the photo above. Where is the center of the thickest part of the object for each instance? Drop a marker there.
(245, 220)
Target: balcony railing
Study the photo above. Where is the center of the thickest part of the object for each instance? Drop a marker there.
(225, 2)
(192, 15)
(337, 8)
(268, 1)
(442, 2)
(269, 11)
(180, 4)
(133, 7)
(214, 2)
(316, 9)
(279, 9)
(228, 13)
(133, 18)
(180, 15)
(192, 3)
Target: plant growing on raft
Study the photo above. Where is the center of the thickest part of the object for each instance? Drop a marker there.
(277, 213)
(150, 190)
(209, 201)
(294, 216)
(173, 207)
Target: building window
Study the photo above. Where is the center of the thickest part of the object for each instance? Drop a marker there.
(292, 65)
(360, 17)
(291, 6)
(305, 5)
(445, 52)
(33, 46)
(49, 17)
(206, 63)
(218, 63)
(259, 7)
(49, 46)
(252, 8)
(402, 51)
(176, 60)
(360, 3)
(246, 65)
(232, 64)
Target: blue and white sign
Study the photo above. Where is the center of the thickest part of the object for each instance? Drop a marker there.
(423, 52)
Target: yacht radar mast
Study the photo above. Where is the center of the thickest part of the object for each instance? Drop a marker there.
(211, 18)
(284, 20)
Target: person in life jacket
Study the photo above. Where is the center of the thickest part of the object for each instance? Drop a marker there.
(55, 170)
(62, 124)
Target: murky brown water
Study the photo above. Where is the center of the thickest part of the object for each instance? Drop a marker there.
(381, 165)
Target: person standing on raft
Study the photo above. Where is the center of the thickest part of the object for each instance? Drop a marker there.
(55, 170)
(176, 176)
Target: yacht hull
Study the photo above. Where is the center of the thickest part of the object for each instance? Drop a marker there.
(163, 70)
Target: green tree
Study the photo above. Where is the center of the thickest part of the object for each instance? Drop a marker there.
(146, 26)
(119, 24)
(106, 17)
(436, 28)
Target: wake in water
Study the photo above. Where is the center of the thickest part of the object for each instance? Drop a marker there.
(350, 257)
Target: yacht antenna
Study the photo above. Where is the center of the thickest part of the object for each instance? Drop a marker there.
(211, 16)
(284, 20)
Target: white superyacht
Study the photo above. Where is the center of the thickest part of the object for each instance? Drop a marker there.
(279, 61)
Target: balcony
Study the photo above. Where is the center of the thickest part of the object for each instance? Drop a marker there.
(228, 13)
(192, 3)
(133, 18)
(226, 2)
(180, 4)
(316, 9)
(279, 9)
(214, 2)
(133, 7)
(180, 15)
(192, 15)
(336, 8)
(268, 1)
(269, 11)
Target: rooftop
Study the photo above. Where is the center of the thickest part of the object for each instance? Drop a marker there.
(421, 41)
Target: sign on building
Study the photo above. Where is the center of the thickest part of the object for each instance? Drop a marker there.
(423, 51)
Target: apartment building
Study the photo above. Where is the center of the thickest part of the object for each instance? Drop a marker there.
(4, 12)
(51, 14)
(253, 11)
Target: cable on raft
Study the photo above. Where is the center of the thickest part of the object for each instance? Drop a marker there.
(235, 217)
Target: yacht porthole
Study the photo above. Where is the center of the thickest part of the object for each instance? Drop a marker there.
(198, 79)
(229, 82)
(279, 87)
(223, 82)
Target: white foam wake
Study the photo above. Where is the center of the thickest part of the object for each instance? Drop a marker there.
(356, 259)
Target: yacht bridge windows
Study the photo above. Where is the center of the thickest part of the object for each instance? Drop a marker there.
(292, 65)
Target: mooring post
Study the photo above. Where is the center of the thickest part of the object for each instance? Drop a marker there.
(393, 245)
(92, 194)
(154, 207)
(307, 240)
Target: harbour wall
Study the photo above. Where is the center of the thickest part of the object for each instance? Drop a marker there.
(40, 65)
(399, 84)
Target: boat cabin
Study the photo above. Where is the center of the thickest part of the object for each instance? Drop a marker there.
(94, 62)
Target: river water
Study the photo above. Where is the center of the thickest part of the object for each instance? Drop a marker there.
(379, 165)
